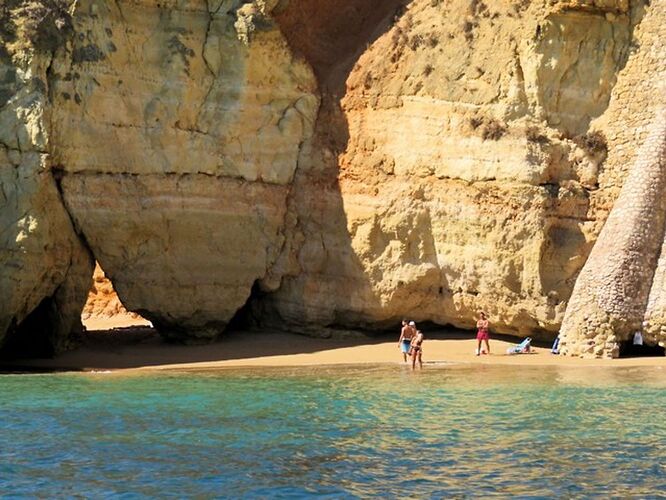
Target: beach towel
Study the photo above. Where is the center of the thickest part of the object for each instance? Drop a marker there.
(523, 347)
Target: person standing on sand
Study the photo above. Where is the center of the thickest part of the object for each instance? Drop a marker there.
(405, 340)
(417, 349)
(482, 333)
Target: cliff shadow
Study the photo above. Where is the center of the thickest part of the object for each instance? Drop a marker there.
(331, 284)
(137, 347)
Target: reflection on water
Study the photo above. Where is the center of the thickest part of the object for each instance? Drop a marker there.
(446, 431)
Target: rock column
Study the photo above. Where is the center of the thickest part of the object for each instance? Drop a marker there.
(611, 294)
(654, 326)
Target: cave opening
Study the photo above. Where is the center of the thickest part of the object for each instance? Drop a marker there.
(33, 336)
(629, 350)
(250, 314)
(104, 310)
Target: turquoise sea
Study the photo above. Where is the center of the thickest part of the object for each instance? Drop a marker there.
(448, 431)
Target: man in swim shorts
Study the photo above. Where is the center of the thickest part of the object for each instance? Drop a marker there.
(405, 340)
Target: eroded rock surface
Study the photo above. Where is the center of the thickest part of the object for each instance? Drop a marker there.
(339, 163)
(611, 294)
(622, 283)
(45, 269)
(454, 166)
(178, 128)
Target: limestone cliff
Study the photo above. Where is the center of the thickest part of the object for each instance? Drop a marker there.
(178, 129)
(44, 267)
(454, 165)
(621, 288)
(611, 294)
(332, 163)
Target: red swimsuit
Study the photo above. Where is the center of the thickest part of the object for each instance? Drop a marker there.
(482, 333)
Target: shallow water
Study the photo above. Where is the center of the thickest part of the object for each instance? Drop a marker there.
(342, 432)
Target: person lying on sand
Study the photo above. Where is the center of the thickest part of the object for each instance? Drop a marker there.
(417, 349)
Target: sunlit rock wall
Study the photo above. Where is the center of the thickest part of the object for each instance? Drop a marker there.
(178, 127)
(335, 163)
(622, 284)
(44, 267)
(456, 165)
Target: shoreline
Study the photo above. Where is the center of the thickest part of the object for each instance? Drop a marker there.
(138, 348)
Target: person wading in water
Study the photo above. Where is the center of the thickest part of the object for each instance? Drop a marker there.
(482, 333)
(406, 333)
(417, 349)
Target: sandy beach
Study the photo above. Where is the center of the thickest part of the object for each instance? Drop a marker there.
(126, 344)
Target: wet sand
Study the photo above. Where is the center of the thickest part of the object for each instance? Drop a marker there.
(137, 347)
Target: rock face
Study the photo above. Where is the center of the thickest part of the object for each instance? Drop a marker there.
(454, 166)
(332, 163)
(621, 288)
(178, 129)
(611, 293)
(44, 268)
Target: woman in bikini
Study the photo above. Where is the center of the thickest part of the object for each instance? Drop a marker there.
(405, 340)
(417, 349)
(482, 333)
